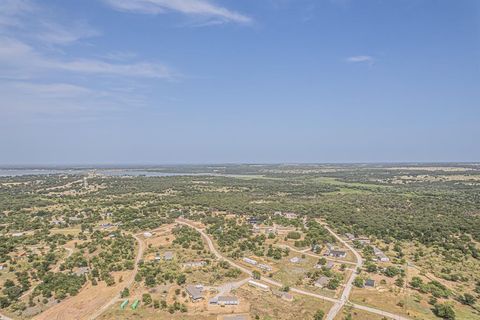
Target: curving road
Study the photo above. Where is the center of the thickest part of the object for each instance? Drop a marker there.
(128, 283)
(338, 303)
(247, 271)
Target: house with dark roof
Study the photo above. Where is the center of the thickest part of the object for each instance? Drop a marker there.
(195, 292)
(349, 236)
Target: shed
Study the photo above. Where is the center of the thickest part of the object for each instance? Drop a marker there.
(168, 255)
(370, 283)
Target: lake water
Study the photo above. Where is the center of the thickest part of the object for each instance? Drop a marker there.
(107, 172)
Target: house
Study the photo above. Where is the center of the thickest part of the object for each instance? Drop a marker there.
(17, 234)
(290, 215)
(82, 271)
(283, 295)
(147, 234)
(337, 253)
(258, 285)
(168, 255)
(295, 260)
(370, 283)
(195, 292)
(349, 236)
(194, 264)
(253, 220)
(269, 231)
(225, 301)
(330, 246)
(363, 241)
(265, 267)
(322, 282)
(250, 261)
(57, 222)
(382, 257)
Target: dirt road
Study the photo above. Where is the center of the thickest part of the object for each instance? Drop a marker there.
(127, 284)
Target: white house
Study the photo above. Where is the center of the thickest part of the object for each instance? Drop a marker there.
(258, 285)
(250, 261)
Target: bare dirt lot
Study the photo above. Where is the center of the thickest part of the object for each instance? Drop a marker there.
(81, 306)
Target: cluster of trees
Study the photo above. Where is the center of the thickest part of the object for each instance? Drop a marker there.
(315, 234)
(277, 253)
(153, 274)
(434, 287)
(188, 238)
(59, 285)
(335, 277)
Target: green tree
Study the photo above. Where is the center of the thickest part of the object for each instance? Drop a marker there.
(444, 311)
(359, 282)
(125, 293)
(319, 315)
(468, 299)
(147, 298)
(399, 282)
(181, 279)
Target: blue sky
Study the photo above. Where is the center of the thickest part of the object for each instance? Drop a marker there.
(204, 81)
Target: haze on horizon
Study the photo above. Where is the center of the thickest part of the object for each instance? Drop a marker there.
(254, 81)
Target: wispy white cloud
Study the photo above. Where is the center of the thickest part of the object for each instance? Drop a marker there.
(40, 70)
(17, 55)
(199, 8)
(27, 20)
(53, 33)
(361, 59)
(11, 10)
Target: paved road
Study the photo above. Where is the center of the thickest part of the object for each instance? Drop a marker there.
(245, 270)
(128, 283)
(348, 286)
(338, 303)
